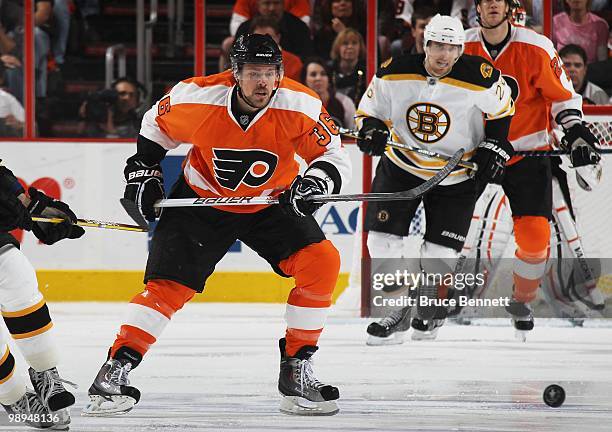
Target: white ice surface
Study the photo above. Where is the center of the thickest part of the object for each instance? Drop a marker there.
(215, 368)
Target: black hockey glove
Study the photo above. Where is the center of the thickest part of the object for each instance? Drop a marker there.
(373, 137)
(491, 157)
(144, 187)
(45, 206)
(581, 143)
(13, 213)
(292, 200)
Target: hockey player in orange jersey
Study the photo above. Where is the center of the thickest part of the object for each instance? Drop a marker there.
(544, 94)
(246, 125)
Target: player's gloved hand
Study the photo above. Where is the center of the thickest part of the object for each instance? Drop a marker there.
(491, 157)
(373, 136)
(144, 187)
(292, 200)
(13, 213)
(581, 143)
(45, 206)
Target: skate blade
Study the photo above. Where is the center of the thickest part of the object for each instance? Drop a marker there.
(396, 338)
(418, 335)
(63, 419)
(521, 335)
(111, 406)
(295, 405)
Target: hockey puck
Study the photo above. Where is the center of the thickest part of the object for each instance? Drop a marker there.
(554, 395)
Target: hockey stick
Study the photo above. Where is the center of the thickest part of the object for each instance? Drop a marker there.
(465, 164)
(410, 194)
(548, 153)
(94, 224)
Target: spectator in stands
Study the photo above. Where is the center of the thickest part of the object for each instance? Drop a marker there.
(244, 10)
(61, 16)
(335, 16)
(575, 61)
(580, 27)
(12, 115)
(114, 112)
(292, 64)
(414, 44)
(348, 64)
(316, 75)
(11, 43)
(295, 35)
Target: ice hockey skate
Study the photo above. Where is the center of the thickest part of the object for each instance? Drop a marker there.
(522, 319)
(50, 388)
(31, 407)
(110, 394)
(302, 393)
(390, 330)
(428, 330)
(426, 293)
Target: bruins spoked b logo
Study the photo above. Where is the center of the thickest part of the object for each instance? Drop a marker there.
(251, 167)
(427, 122)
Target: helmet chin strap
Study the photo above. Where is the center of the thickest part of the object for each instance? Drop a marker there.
(244, 98)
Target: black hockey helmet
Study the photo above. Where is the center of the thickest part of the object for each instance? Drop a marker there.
(255, 49)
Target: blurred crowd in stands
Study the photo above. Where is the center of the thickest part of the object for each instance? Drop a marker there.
(322, 42)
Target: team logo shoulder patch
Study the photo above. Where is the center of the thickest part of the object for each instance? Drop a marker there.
(250, 167)
(427, 122)
(486, 70)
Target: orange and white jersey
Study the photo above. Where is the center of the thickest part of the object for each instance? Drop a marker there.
(227, 161)
(540, 85)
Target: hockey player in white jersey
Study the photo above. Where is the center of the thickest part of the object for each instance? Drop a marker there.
(24, 310)
(438, 101)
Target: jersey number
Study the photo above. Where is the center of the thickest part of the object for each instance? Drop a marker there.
(324, 129)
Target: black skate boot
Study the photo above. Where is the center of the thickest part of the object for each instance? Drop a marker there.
(426, 293)
(50, 389)
(428, 330)
(32, 410)
(391, 329)
(302, 393)
(110, 394)
(522, 319)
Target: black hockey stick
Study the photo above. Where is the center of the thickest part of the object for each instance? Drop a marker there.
(410, 194)
(548, 153)
(465, 164)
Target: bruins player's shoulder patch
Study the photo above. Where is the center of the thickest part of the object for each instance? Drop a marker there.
(486, 70)
(474, 71)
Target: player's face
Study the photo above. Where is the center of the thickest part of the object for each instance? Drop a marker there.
(492, 12)
(441, 57)
(341, 8)
(576, 69)
(257, 82)
(316, 78)
(417, 33)
(349, 48)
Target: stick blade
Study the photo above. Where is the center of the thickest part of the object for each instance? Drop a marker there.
(132, 210)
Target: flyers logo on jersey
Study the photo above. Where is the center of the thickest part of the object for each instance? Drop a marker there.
(250, 167)
(427, 122)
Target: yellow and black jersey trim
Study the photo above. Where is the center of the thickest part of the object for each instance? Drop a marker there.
(473, 72)
(28, 322)
(408, 66)
(7, 365)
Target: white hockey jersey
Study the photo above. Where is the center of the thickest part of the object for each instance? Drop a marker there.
(440, 115)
